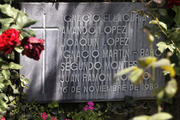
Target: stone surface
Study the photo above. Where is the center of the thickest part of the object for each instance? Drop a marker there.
(86, 44)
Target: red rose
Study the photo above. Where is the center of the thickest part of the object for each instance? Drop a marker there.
(3, 118)
(32, 47)
(8, 40)
(171, 3)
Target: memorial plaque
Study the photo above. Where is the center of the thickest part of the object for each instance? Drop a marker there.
(86, 44)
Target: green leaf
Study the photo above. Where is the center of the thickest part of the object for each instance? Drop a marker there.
(23, 85)
(9, 11)
(177, 16)
(146, 61)
(171, 88)
(136, 76)
(20, 19)
(162, 62)
(19, 49)
(23, 20)
(53, 104)
(160, 95)
(3, 105)
(24, 81)
(163, 25)
(153, 22)
(161, 116)
(4, 65)
(171, 47)
(162, 46)
(1, 86)
(142, 117)
(170, 70)
(148, 33)
(166, 66)
(1, 76)
(6, 20)
(125, 71)
(6, 74)
(31, 32)
(15, 26)
(15, 66)
(3, 97)
(28, 33)
(15, 89)
(159, 23)
(150, 38)
(5, 24)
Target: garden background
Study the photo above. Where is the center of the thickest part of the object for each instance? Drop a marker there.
(14, 107)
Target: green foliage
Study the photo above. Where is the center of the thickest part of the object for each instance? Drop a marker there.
(18, 49)
(162, 28)
(161, 116)
(162, 46)
(53, 104)
(88, 115)
(13, 103)
(142, 117)
(159, 23)
(33, 110)
(157, 116)
(171, 88)
(146, 61)
(136, 76)
(125, 71)
(177, 17)
(14, 66)
(10, 81)
(28, 33)
(14, 18)
(7, 76)
(24, 81)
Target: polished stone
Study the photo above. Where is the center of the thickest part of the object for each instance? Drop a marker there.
(86, 44)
